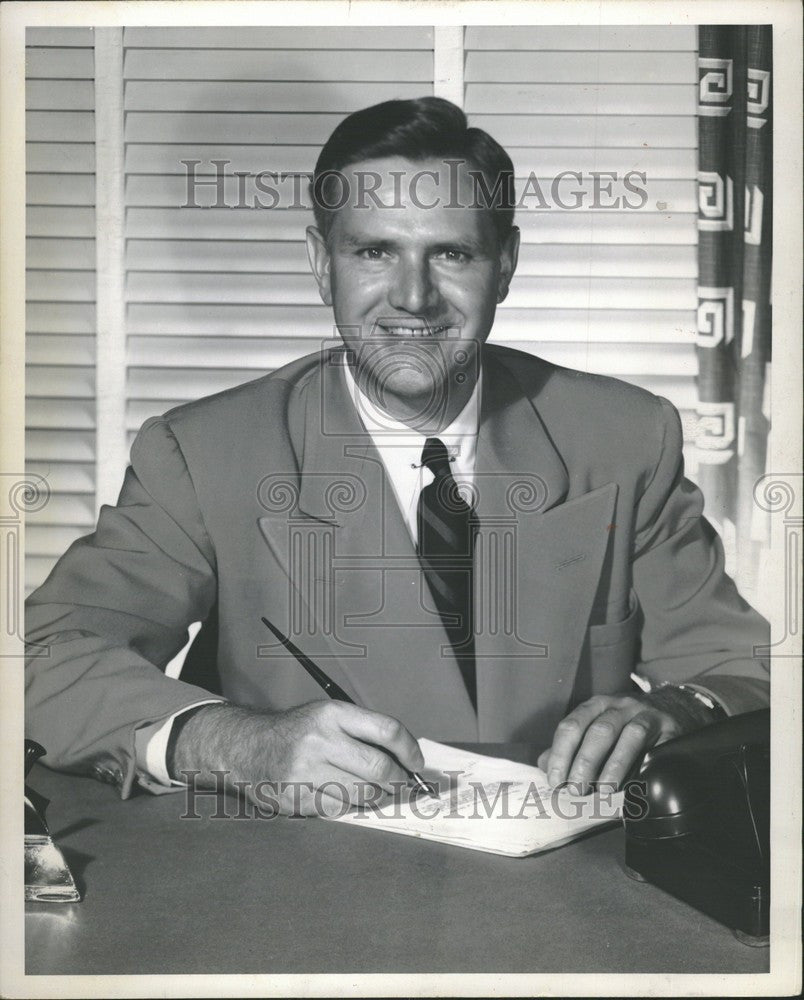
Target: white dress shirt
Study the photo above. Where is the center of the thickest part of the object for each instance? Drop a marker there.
(400, 449)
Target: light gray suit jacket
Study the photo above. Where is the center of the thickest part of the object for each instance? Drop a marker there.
(592, 560)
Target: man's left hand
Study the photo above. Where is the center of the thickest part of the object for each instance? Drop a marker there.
(602, 739)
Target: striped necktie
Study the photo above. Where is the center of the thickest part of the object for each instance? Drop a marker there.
(447, 529)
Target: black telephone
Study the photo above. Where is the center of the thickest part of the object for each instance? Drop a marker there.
(697, 822)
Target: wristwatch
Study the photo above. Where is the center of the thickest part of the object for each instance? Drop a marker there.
(714, 707)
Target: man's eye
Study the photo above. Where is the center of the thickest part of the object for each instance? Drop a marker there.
(453, 254)
(371, 253)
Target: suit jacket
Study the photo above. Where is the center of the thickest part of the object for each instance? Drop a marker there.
(593, 559)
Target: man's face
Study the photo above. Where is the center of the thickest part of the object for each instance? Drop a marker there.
(413, 286)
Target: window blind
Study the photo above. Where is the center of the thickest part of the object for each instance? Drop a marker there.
(215, 296)
(60, 289)
(603, 289)
(219, 295)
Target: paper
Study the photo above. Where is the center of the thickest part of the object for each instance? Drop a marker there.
(488, 804)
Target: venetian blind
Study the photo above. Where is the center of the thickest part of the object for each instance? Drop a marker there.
(598, 288)
(219, 295)
(60, 289)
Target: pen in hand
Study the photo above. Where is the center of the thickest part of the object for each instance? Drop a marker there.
(336, 692)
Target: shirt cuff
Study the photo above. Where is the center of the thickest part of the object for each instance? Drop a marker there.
(151, 743)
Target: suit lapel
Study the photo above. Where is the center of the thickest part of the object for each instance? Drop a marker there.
(538, 560)
(356, 595)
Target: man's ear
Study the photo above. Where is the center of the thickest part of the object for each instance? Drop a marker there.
(318, 255)
(509, 255)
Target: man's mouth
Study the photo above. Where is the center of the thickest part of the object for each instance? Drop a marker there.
(412, 331)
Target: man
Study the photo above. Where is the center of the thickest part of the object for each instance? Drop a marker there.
(475, 544)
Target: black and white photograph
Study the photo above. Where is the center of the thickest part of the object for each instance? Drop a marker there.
(401, 499)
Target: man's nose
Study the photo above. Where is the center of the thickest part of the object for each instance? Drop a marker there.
(413, 289)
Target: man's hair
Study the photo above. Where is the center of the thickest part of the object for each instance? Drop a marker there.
(418, 129)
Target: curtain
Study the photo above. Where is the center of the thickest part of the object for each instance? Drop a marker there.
(735, 145)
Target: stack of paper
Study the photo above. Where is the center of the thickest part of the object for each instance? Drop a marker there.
(489, 804)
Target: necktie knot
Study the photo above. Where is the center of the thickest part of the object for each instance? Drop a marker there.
(436, 457)
(447, 494)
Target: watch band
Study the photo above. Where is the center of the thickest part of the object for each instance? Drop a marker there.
(690, 709)
(718, 711)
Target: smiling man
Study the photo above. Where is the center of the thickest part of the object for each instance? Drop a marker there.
(401, 269)
(473, 543)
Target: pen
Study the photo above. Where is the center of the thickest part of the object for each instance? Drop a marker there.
(336, 692)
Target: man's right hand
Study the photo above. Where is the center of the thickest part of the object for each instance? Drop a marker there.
(315, 756)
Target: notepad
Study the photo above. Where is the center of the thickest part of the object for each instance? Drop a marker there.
(489, 804)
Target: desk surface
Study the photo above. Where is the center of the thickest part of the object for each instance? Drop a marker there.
(166, 895)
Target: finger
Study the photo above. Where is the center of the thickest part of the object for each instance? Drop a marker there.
(365, 763)
(544, 756)
(384, 732)
(598, 742)
(568, 737)
(638, 735)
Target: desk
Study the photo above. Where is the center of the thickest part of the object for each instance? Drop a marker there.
(165, 895)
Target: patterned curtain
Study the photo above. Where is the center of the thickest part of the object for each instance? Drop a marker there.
(735, 146)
